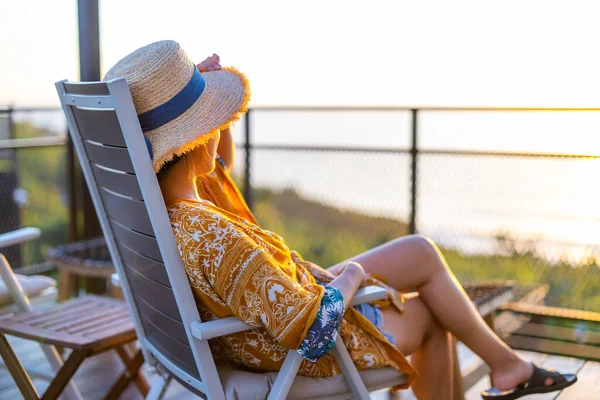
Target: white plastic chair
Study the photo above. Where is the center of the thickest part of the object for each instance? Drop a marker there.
(115, 162)
(22, 303)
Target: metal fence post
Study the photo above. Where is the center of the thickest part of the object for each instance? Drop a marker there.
(10, 122)
(89, 40)
(414, 153)
(10, 212)
(72, 189)
(247, 164)
(89, 71)
(11, 135)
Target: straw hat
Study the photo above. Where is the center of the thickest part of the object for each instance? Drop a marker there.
(179, 108)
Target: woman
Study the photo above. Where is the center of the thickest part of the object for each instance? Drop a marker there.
(237, 268)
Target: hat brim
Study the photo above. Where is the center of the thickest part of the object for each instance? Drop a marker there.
(223, 100)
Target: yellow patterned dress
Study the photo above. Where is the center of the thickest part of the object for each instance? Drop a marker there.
(218, 188)
(237, 268)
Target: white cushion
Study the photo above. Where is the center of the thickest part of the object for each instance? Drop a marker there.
(31, 285)
(239, 384)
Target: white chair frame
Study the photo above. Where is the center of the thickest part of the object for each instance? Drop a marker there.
(116, 96)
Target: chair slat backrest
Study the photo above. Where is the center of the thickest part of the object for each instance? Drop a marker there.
(109, 143)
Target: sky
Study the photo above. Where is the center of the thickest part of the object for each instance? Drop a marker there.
(331, 52)
(508, 53)
(402, 53)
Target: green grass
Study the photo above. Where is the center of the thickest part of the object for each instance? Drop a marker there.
(326, 236)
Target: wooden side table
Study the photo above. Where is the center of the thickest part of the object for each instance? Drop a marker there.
(89, 259)
(88, 326)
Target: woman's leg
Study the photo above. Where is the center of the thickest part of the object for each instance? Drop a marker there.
(415, 263)
(418, 333)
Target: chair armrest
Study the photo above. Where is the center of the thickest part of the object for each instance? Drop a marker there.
(219, 327)
(226, 326)
(19, 236)
(368, 294)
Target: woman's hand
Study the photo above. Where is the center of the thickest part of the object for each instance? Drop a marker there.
(348, 281)
(212, 63)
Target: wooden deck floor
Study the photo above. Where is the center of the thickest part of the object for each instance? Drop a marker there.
(97, 373)
(587, 387)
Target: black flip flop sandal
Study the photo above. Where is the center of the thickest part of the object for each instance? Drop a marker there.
(536, 384)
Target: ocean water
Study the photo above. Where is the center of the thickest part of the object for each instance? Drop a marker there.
(551, 204)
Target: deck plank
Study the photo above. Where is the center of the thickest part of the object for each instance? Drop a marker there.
(484, 383)
(86, 316)
(587, 386)
(13, 393)
(93, 378)
(474, 391)
(96, 374)
(178, 392)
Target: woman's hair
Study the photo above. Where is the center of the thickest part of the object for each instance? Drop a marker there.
(166, 169)
(195, 162)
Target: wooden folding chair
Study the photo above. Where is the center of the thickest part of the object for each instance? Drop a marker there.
(88, 326)
(21, 297)
(115, 162)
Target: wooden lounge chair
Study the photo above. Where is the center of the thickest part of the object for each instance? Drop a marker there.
(115, 161)
(88, 326)
(21, 302)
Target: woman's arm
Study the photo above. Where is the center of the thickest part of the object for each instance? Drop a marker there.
(226, 149)
(337, 269)
(348, 281)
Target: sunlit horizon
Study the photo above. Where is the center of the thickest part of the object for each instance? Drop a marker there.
(381, 53)
(427, 53)
(463, 53)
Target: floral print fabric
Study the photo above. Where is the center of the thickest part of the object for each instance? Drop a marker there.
(237, 268)
(218, 188)
(323, 332)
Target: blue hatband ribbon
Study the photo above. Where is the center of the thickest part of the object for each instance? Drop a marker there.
(180, 103)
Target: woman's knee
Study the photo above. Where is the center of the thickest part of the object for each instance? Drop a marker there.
(428, 252)
(424, 243)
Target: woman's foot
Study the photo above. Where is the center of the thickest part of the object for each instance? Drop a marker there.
(542, 380)
(512, 375)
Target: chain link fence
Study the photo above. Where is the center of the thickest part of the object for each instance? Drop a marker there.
(515, 217)
(33, 189)
(331, 205)
(337, 184)
(518, 216)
